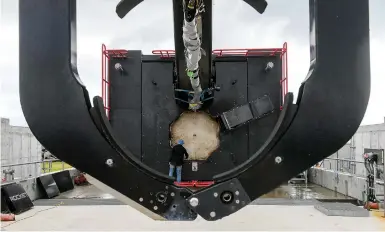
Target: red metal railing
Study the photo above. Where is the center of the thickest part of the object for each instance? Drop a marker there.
(106, 56)
(194, 183)
(248, 52)
(282, 52)
(285, 73)
(164, 53)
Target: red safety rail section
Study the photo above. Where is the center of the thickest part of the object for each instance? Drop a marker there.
(164, 53)
(107, 54)
(194, 183)
(285, 73)
(282, 52)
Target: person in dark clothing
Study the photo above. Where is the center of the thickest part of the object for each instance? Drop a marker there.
(178, 155)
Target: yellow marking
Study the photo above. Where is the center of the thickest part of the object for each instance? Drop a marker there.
(379, 214)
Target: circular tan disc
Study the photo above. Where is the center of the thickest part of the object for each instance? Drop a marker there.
(200, 133)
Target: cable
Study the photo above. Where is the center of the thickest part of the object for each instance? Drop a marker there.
(16, 221)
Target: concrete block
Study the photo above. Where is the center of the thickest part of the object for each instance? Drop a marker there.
(341, 209)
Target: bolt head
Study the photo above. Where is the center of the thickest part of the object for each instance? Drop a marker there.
(278, 159)
(194, 202)
(109, 162)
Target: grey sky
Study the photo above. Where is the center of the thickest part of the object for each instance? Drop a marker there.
(149, 27)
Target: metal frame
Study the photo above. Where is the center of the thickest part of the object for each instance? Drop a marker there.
(107, 54)
(45, 170)
(246, 52)
(310, 130)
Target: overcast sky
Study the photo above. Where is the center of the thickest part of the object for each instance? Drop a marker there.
(149, 26)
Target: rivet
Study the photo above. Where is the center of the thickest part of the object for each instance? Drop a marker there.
(212, 214)
(155, 207)
(141, 199)
(278, 159)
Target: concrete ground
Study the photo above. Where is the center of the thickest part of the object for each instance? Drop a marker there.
(122, 217)
(289, 207)
(292, 191)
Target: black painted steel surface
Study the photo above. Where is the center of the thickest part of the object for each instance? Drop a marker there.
(14, 199)
(158, 111)
(330, 106)
(125, 100)
(48, 186)
(63, 181)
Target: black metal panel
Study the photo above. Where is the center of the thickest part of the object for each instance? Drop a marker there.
(48, 186)
(158, 111)
(63, 180)
(241, 115)
(261, 106)
(237, 116)
(262, 83)
(127, 128)
(125, 87)
(16, 199)
(125, 100)
(232, 79)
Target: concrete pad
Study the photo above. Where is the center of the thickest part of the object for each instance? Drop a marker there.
(342, 209)
(120, 217)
